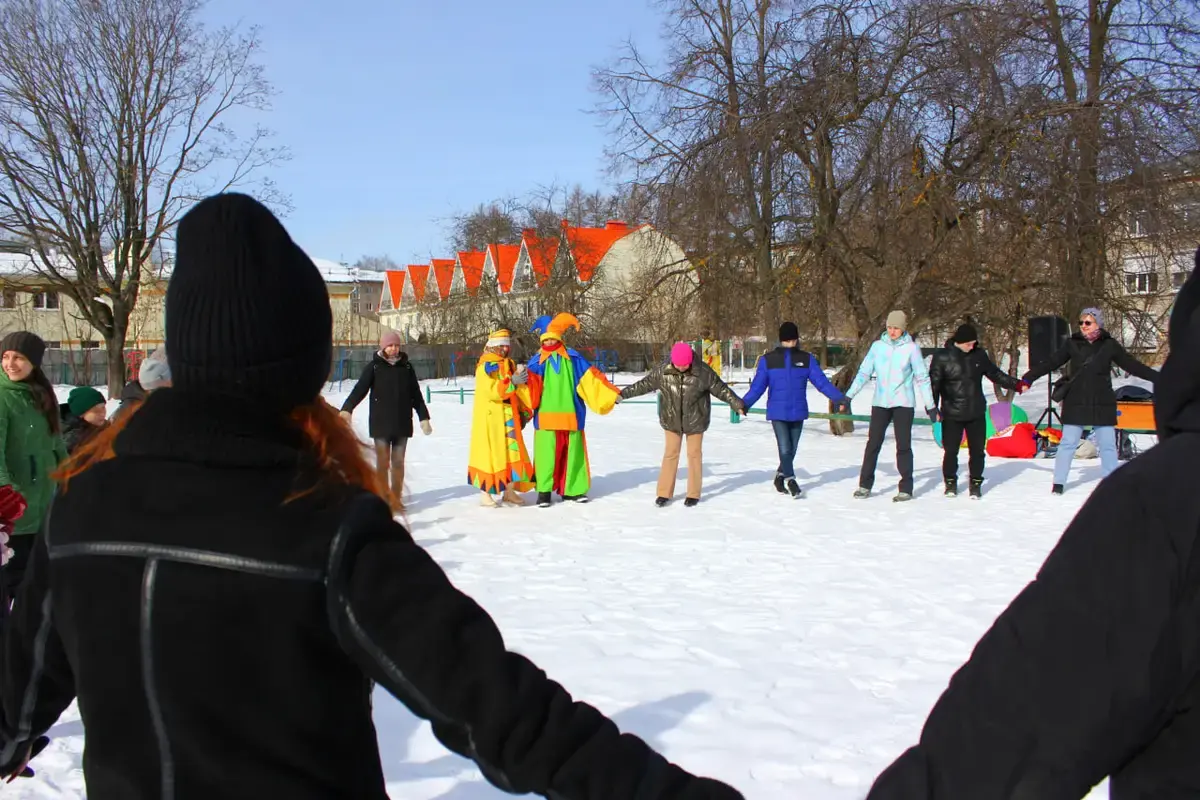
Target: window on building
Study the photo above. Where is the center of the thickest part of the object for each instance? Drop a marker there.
(1141, 282)
(1178, 278)
(8, 298)
(90, 344)
(45, 301)
(54, 345)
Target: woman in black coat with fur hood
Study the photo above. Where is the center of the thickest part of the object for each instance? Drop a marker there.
(224, 620)
(1093, 671)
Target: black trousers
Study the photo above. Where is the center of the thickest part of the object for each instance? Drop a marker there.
(901, 419)
(952, 434)
(13, 572)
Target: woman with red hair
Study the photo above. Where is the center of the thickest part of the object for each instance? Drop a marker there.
(223, 621)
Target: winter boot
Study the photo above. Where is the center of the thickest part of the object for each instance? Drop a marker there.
(793, 487)
(691, 502)
(512, 498)
(951, 487)
(544, 499)
(1056, 489)
(489, 500)
(779, 487)
(661, 501)
(575, 498)
(902, 497)
(862, 493)
(976, 489)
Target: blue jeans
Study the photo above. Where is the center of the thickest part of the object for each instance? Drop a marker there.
(787, 439)
(1106, 443)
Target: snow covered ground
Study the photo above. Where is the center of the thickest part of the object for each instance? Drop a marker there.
(791, 648)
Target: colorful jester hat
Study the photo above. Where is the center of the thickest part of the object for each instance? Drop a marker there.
(547, 327)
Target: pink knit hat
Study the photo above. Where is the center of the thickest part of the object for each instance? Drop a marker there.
(388, 339)
(682, 355)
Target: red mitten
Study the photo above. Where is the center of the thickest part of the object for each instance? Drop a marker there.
(12, 504)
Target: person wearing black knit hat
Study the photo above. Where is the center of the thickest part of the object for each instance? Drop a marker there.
(786, 372)
(253, 587)
(956, 379)
(31, 447)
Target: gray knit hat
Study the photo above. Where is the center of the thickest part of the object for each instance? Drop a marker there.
(1094, 313)
(155, 372)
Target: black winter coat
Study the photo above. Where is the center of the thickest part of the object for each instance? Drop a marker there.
(1091, 401)
(223, 639)
(685, 397)
(956, 379)
(395, 394)
(1094, 669)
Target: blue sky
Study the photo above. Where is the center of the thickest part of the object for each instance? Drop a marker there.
(400, 114)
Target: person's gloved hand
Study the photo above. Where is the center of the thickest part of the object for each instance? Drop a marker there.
(1022, 386)
(19, 767)
(426, 427)
(740, 407)
(12, 504)
(520, 377)
(934, 414)
(842, 407)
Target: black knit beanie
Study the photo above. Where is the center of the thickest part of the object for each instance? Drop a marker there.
(966, 333)
(247, 311)
(27, 344)
(788, 332)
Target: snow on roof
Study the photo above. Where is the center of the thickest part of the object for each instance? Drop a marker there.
(337, 272)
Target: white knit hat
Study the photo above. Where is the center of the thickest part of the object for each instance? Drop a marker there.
(155, 372)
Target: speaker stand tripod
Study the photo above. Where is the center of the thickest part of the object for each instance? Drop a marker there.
(1049, 414)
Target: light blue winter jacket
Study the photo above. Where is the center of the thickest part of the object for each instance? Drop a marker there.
(896, 366)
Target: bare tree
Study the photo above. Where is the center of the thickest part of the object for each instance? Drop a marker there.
(115, 119)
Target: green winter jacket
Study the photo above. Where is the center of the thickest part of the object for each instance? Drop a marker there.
(30, 452)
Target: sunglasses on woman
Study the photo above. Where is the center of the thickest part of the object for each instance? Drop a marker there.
(1086, 323)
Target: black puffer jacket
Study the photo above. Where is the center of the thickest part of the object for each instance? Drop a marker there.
(685, 401)
(222, 639)
(1094, 669)
(956, 379)
(1091, 400)
(395, 394)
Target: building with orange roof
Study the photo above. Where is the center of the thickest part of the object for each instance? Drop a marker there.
(441, 280)
(468, 272)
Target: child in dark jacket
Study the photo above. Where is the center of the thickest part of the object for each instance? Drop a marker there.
(84, 415)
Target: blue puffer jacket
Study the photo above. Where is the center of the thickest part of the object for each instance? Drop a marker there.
(786, 371)
(896, 366)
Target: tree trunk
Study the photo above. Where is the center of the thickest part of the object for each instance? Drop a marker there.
(115, 344)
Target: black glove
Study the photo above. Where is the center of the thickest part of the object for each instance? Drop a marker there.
(842, 407)
(19, 766)
(934, 414)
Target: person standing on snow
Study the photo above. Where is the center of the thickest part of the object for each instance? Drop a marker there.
(1087, 396)
(956, 379)
(562, 386)
(395, 394)
(223, 622)
(498, 464)
(31, 445)
(899, 370)
(153, 373)
(1093, 670)
(784, 373)
(685, 388)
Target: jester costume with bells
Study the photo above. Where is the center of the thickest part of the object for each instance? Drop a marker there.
(498, 464)
(562, 386)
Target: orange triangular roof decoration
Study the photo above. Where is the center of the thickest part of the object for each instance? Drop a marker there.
(471, 263)
(395, 284)
(504, 259)
(443, 274)
(420, 279)
(542, 252)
